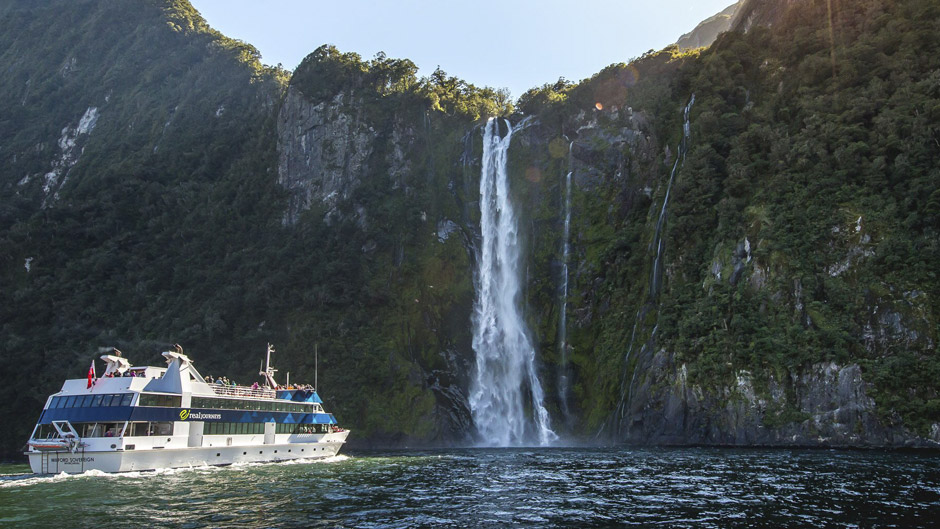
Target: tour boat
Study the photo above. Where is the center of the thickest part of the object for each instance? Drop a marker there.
(148, 418)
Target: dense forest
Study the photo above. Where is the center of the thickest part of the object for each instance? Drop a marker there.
(162, 186)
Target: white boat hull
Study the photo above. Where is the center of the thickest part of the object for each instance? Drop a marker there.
(54, 462)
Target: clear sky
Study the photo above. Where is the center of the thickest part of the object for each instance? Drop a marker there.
(516, 44)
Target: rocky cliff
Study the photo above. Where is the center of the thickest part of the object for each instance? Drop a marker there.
(733, 282)
(708, 30)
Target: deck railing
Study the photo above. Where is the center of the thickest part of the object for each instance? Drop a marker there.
(243, 391)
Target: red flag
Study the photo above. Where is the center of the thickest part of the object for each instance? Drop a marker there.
(91, 375)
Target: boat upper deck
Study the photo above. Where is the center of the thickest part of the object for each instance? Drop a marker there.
(179, 377)
(79, 386)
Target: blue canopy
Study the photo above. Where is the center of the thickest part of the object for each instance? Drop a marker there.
(299, 395)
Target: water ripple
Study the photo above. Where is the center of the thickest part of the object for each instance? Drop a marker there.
(499, 488)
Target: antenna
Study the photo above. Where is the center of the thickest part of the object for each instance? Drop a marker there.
(316, 366)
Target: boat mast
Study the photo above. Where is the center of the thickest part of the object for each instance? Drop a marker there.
(269, 371)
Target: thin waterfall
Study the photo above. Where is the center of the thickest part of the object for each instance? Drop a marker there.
(656, 273)
(563, 382)
(505, 384)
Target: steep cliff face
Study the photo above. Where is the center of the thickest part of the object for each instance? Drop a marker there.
(750, 301)
(823, 405)
(708, 30)
(389, 174)
(322, 150)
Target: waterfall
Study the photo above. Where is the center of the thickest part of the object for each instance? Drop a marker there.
(505, 384)
(656, 275)
(657, 245)
(563, 382)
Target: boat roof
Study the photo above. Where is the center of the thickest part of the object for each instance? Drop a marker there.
(180, 376)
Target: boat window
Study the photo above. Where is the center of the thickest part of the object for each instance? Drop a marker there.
(69, 402)
(236, 404)
(86, 401)
(97, 401)
(45, 431)
(126, 399)
(166, 401)
(135, 429)
(106, 400)
(162, 428)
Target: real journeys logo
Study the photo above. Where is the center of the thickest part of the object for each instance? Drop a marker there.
(185, 414)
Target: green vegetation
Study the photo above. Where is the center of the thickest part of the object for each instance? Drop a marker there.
(819, 152)
(169, 225)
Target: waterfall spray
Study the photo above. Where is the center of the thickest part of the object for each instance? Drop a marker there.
(505, 383)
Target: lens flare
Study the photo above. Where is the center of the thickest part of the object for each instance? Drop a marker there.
(533, 174)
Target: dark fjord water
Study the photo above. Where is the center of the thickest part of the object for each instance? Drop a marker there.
(560, 487)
